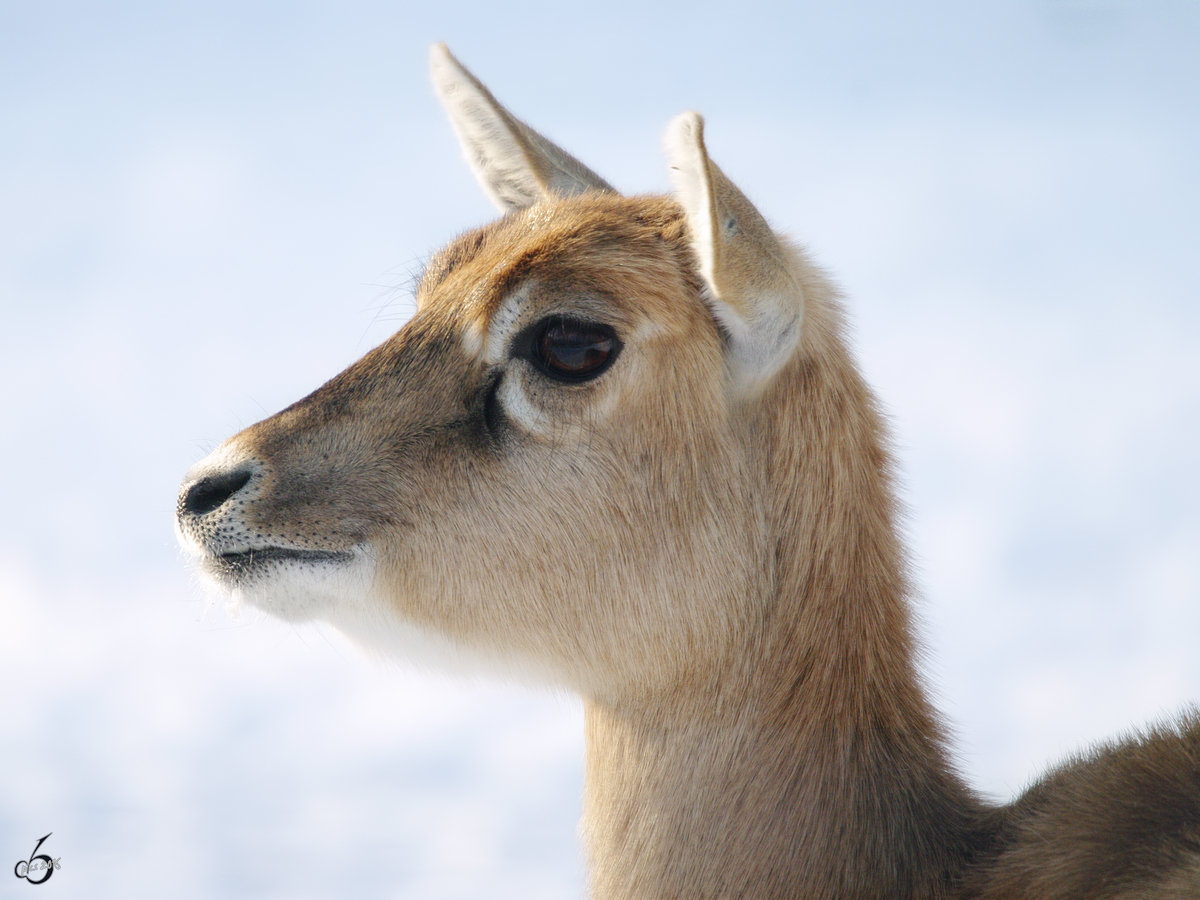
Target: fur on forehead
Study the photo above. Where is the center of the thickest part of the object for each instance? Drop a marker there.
(578, 243)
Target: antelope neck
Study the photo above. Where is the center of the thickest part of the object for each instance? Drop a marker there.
(783, 783)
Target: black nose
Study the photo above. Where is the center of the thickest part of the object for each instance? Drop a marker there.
(211, 491)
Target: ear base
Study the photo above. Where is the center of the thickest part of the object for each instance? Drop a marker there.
(514, 164)
(751, 288)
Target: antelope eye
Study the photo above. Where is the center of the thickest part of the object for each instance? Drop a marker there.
(573, 351)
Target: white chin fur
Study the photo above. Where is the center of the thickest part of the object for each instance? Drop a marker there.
(379, 629)
(344, 595)
(301, 590)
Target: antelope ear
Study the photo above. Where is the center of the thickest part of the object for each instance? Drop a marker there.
(516, 166)
(750, 286)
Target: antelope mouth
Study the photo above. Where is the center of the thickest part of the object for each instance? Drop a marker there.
(290, 583)
(239, 564)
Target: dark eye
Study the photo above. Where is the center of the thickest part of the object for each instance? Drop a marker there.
(573, 351)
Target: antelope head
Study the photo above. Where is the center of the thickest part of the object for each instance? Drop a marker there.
(621, 447)
(556, 467)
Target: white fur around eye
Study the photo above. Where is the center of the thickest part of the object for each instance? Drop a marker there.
(518, 407)
(505, 322)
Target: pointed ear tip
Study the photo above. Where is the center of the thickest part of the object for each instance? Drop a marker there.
(441, 60)
(690, 121)
(685, 129)
(684, 136)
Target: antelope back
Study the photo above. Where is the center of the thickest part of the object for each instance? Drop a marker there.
(561, 464)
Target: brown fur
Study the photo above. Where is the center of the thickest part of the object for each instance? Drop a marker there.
(717, 572)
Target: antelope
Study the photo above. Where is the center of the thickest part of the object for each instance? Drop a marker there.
(622, 447)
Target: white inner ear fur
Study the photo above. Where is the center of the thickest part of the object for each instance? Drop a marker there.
(747, 272)
(688, 165)
(491, 147)
(514, 164)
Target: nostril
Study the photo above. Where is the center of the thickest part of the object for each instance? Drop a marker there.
(211, 491)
